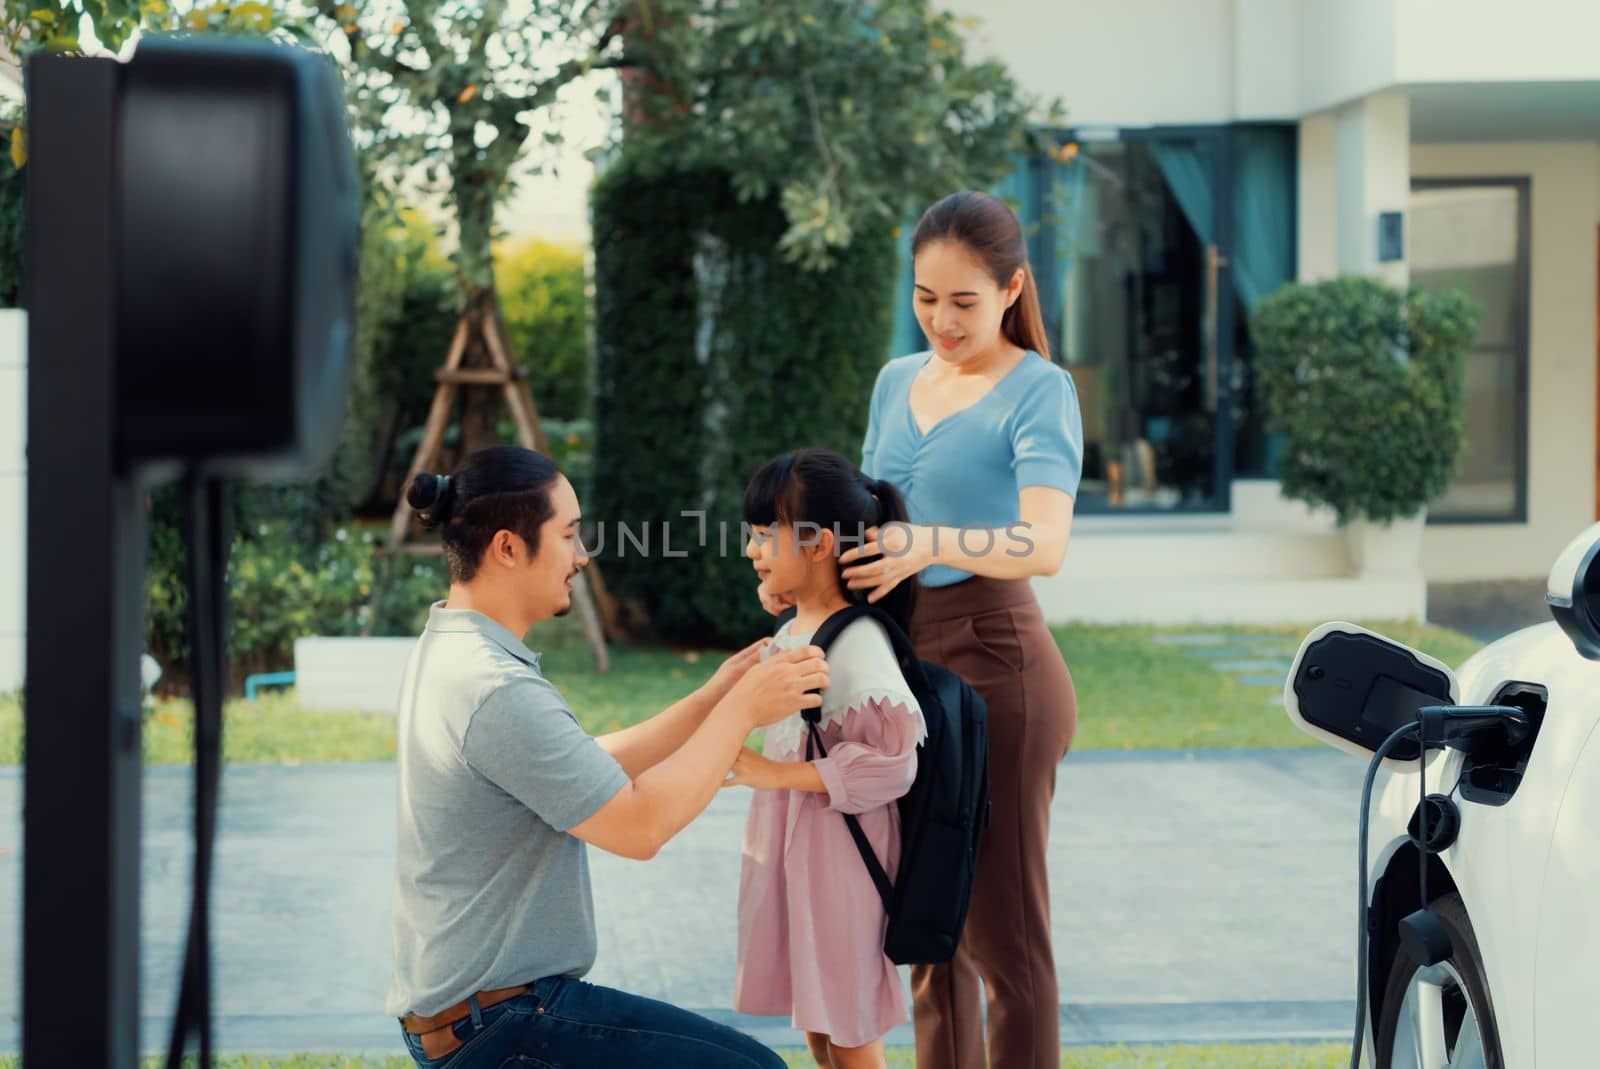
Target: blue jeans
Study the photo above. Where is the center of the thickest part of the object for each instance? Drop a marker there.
(567, 1024)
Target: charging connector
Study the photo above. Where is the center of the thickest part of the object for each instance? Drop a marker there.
(1474, 728)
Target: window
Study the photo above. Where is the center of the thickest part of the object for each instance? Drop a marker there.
(1473, 234)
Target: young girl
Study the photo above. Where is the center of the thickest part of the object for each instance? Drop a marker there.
(811, 923)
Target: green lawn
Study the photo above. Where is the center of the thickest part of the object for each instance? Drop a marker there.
(1133, 693)
(1161, 1056)
(1152, 1056)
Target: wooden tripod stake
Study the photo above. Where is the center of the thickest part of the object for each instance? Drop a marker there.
(484, 319)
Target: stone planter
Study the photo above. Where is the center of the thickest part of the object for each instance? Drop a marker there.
(1393, 548)
(350, 674)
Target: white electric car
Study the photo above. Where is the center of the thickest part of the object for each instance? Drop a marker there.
(1498, 966)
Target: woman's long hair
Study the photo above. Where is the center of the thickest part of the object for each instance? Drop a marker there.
(987, 227)
(824, 491)
(503, 488)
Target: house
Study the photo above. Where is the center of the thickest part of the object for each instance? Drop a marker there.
(1217, 148)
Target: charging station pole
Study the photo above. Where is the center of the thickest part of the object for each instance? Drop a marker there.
(193, 243)
(85, 600)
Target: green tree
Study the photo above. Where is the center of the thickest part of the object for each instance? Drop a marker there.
(745, 263)
(449, 94)
(29, 26)
(849, 114)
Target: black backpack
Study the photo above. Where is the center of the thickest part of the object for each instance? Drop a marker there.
(942, 816)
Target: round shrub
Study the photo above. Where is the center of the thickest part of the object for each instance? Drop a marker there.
(1366, 384)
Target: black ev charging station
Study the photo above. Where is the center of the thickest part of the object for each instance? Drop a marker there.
(191, 253)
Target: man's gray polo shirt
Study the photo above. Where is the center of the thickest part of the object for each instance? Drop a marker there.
(493, 769)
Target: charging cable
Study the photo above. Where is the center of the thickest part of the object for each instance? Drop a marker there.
(1361, 881)
(1422, 811)
(206, 543)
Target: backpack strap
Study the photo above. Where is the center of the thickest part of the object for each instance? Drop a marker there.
(831, 628)
(880, 878)
(906, 656)
(824, 638)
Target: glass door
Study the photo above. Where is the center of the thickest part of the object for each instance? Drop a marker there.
(1132, 254)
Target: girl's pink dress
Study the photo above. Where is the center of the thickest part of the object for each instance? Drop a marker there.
(811, 923)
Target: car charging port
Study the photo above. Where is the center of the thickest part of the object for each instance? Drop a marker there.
(1492, 776)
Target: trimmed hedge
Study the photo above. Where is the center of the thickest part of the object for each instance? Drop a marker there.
(712, 355)
(1366, 384)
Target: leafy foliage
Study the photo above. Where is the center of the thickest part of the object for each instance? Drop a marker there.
(444, 94)
(449, 93)
(712, 357)
(744, 248)
(845, 114)
(1366, 383)
(287, 579)
(546, 312)
(407, 310)
(57, 25)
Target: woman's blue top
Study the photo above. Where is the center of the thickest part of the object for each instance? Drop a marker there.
(967, 470)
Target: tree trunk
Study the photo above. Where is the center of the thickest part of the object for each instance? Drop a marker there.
(480, 406)
(647, 97)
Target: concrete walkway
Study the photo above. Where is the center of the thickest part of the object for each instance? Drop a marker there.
(1196, 897)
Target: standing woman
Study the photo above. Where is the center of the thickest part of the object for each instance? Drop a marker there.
(983, 437)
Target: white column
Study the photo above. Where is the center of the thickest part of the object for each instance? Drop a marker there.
(1318, 236)
(13, 493)
(1374, 176)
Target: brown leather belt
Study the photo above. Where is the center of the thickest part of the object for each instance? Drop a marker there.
(437, 1032)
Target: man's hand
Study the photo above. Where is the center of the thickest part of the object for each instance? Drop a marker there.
(778, 686)
(732, 670)
(774, 604)
(657, 804)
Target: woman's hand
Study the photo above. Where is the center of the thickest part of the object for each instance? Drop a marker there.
(902, 549)
(750, 769)
(732, 670)
(774, 604)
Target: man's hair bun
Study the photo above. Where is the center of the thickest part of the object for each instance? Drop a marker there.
(430, 495)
